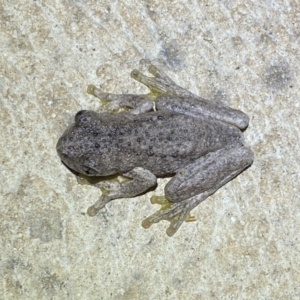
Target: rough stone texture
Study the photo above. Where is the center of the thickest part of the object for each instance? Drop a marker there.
(245, 244)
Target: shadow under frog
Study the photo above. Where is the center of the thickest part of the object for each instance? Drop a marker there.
(198, 140)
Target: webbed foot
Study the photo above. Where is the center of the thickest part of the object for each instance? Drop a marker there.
(161, 83)
(175, 213)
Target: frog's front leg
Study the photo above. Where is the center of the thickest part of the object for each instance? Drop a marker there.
(135, 104)
(140, 181)
(197, 181)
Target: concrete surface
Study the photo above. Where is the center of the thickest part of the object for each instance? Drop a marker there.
(245, 242)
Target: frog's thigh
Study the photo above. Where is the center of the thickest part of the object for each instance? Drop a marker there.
(208, 172)
(198, 107)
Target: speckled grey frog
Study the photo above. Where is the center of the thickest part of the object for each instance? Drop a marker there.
(198, 142)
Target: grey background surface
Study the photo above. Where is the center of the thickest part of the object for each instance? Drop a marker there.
(245, 242)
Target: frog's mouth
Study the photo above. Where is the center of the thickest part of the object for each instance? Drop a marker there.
(80, 163)
(66, 152)
(76, 166)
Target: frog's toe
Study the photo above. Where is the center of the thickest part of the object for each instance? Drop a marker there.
(91, 89)
(92, 211)
(106, 197)
(94, 91)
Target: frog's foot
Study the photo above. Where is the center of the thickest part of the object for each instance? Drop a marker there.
(160, 83)
(175, 213)
(132, 183)
(109, 190)
(116, 103)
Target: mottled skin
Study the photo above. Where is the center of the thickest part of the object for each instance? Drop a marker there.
(198, 141)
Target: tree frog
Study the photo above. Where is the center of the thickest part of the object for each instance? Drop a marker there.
(168, 132)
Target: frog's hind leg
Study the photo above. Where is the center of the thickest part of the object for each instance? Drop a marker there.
(197, 181)
(161, 83)
(135, 104)
(186, 102)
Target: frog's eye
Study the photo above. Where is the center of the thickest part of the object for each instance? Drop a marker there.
(79, 114)
(89, 171)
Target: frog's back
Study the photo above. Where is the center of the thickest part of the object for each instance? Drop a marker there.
(161, 142)
(165, 142)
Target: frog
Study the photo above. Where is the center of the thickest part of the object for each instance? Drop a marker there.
(169, 132)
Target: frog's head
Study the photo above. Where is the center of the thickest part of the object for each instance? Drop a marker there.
(77, 150)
